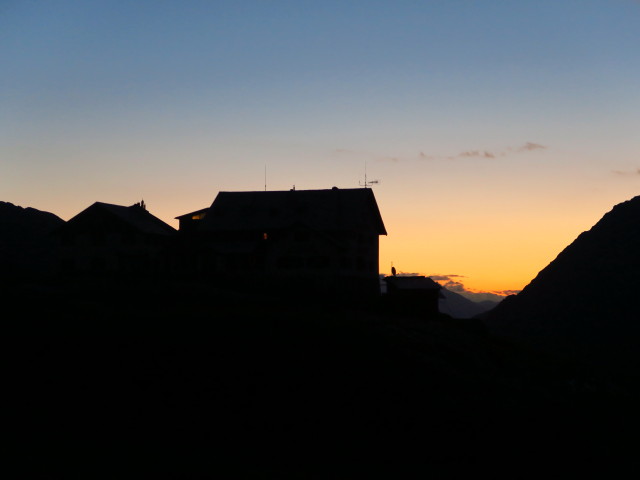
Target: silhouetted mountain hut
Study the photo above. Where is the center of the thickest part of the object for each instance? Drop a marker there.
(107, 238)
(298, 240)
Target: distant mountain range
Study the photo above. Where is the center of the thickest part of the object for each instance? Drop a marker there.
(458, 306)
(24, 238)
(586, 300)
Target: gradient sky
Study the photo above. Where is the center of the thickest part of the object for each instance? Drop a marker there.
(500, 130)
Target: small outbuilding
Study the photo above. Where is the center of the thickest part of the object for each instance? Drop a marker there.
(415, 294)
(189, 222)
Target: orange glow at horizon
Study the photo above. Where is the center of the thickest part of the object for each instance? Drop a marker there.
(488, 244)
(485, 254)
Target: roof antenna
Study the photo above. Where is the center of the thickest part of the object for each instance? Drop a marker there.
(368, 183)
(265, 177)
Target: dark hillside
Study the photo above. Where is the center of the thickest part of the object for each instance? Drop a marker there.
(24, 239)
(25, 225)
(586, 300)
(181, 379)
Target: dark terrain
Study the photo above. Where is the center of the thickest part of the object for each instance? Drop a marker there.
(25, 247)
(146, 377)
(586, 300)
(151, 380)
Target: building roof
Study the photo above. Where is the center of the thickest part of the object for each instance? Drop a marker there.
(413, 282)
(332, 209)
(191, 214)
(136, 216)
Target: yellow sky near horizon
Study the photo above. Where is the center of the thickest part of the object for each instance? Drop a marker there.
(491, 253)
(493, 244)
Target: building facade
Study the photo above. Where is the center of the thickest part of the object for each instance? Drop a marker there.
(304, 241)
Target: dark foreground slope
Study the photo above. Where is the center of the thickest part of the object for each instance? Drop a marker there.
(25, 245)
(586, 300)
(152, 379)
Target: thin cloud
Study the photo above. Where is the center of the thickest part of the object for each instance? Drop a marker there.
(422, 156)
(486, 154)
(506, 292)
(477, 154)
(527, 147)
(473, 295)
(455, 286)
(444, 278)
(626, 173)
(451, 282)
(437, 278)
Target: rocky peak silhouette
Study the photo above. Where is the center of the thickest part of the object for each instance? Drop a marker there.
(585, 301)
(25, 239)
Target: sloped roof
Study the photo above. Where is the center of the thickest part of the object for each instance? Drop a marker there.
(334, 209)
(135, 216)
(191, 214)
(413, 282)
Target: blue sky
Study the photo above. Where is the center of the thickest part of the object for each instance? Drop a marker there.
(175, 100)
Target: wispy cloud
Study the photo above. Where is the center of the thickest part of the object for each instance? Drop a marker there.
(477, 154)
(444, 278)
(527, 147)
(480, 154)
(452, 283)
(507, 292)
(424, 156)
(627, 173)
(467, 154)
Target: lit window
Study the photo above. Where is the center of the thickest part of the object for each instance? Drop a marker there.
(264, 236)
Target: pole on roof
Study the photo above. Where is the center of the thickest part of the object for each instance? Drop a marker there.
(368, 183)
(265, 177)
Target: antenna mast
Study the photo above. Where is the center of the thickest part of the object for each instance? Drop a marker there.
(265, 178)
(365, 174)
(368, 183)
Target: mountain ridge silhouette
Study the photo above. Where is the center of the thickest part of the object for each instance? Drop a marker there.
(584, 301)
(25, 244)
